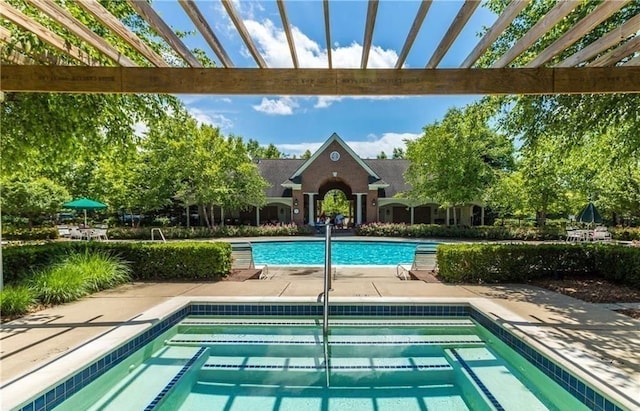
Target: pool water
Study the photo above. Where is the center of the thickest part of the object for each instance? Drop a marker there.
(250, 364)
(301, 253)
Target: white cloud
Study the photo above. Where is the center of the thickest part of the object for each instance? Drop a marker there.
(210, 117)
(272, 43)
(283, 106)
(386, 143)
(365, 149)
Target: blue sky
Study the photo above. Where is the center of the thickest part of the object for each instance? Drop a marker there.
(297, 123)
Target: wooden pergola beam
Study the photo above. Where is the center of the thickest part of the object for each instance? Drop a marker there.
(623, 79)
(613, 37)
(327, 32)
(508, 15)
(66, 20)
(463, 16)
(44, 34)
(372, 11)
(579, 30)
(287, 31)
(617, 54)
(203, 27)
(145, 11)
(546, 23)
(413, 32)
(108, 20)
(244, 33)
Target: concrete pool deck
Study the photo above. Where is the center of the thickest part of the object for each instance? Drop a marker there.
(597, 341)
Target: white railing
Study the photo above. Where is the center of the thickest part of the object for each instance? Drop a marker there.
(153, 230)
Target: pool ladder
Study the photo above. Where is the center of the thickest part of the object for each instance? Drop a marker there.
(325, 299)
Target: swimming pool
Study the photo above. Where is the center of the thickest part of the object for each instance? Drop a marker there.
(302, 253)
(251, 356)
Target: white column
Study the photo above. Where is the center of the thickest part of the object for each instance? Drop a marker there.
(482, 215)
(312, 215)
(448, 215)
(257, 216)
(359, 208)
(411, 208)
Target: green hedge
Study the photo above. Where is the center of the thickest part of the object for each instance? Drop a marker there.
(149, 261)
(501, 263)
(475, 232)
(181, 233)
(26, 234)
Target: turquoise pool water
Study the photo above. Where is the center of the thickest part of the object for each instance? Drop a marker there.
(342, 252)
(279, 363)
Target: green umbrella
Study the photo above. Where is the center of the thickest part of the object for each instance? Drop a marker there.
(85, 204)
(589, 215)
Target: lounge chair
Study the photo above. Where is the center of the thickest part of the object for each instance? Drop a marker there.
(423, 267)
(242, 265)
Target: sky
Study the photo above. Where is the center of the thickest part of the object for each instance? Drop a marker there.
(369, 124)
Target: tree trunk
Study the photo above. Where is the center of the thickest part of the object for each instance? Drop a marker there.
(188, 215)
(206, 217)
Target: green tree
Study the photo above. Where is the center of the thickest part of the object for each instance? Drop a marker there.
(306, 155)
(398, 152)
(32, 198)
(382, 156)
(256, 151)
(594, 136)
(457, 158)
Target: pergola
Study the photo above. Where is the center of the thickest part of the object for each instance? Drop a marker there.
(610, 64)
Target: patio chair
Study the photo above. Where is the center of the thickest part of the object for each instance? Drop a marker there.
(242, 265)
(64, 232)
(423, 267)
(601, 234)
(76, 234)
(98, 234)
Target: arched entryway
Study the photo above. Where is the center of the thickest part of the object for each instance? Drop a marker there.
(336, 197)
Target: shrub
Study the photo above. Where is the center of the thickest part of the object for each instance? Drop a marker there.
(175, 261)
(60, 283)
(99, 269)
(475, 232)
(20, 261)
(494, 263)
(16, 300)
(182, 233)
(26, 234)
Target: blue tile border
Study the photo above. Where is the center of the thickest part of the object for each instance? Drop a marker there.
(167, 389)
(585, 394)
(76, 382)
(478, 382)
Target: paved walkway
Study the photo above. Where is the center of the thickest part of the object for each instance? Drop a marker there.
(598, 341)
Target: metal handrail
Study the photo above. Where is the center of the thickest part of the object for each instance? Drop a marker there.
(159, 231)
(327, 288)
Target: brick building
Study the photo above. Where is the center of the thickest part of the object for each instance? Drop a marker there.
(298, 186)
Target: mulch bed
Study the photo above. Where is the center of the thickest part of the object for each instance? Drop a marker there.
(595, 291)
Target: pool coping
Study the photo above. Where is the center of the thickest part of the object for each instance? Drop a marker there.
(16, 392)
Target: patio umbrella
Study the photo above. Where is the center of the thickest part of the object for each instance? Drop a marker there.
(589, 215)
(85, 204)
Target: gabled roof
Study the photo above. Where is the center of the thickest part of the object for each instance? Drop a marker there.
(392, 171)
(277, 172)
(349, 150)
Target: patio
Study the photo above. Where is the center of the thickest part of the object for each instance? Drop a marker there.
(600, 343)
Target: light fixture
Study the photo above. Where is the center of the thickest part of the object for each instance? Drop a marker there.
(295, 202)
(373, 202)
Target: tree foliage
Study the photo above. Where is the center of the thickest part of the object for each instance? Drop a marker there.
(32, 198)
(456, 159)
